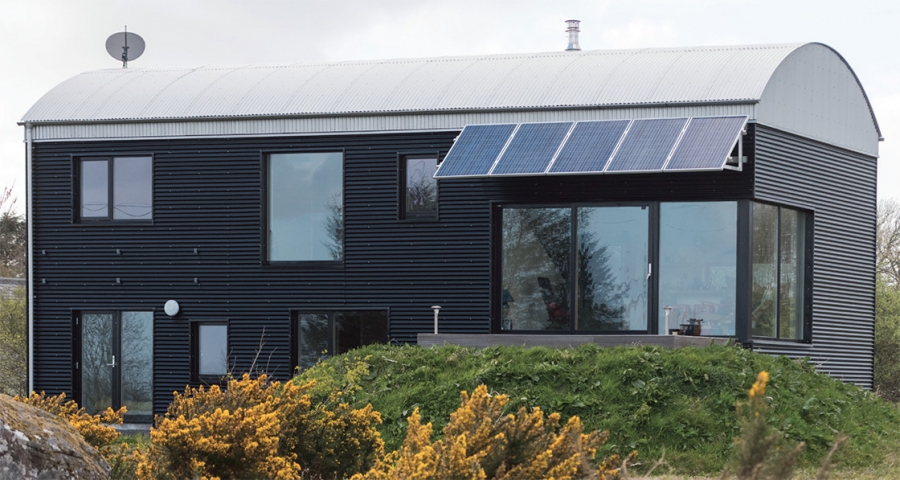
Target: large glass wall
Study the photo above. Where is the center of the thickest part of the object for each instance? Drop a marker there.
(697, 265)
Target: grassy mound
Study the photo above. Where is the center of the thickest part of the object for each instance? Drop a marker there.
(679, 402)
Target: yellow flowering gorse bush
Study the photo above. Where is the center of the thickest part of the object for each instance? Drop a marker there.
(480, 442)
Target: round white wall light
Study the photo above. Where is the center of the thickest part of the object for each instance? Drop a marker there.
(172, 308)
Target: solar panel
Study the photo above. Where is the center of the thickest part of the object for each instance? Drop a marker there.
(531, 148)
(647, 145)
(707, 143)
(475, 150)
(589, 146)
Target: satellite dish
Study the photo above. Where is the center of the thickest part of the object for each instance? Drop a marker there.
(125, 46)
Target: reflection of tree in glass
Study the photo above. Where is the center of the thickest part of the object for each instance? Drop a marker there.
(137, 362)
(536, 249)
(421, 193)
(96, 353)
(334, 226)
(764, 283)
(601, 305)
(313, 338)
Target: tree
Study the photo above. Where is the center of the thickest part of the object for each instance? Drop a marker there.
(887, 251)
(887, 301)
(13, 238)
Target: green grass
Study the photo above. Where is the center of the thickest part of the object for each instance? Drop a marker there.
(680, 402)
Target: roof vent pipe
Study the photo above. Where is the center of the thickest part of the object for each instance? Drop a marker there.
(573, 35)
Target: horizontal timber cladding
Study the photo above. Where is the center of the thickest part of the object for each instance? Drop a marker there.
(204, 246)
(839, 186)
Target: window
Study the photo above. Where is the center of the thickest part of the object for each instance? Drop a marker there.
(598, 282)
(209, 351)
(778, 272)
(325, 333)
(305, 207)
(698, 265)
(419, 188)
(125, 183)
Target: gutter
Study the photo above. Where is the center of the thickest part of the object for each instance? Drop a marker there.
(30, 279)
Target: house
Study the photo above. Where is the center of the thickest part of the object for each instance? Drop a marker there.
(188, 222)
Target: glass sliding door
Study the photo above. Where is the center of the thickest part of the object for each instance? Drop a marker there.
(536, 246)
(698, 265)
(116, 367)
(612, 268)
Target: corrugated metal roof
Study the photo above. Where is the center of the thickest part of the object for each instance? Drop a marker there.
(491, 82)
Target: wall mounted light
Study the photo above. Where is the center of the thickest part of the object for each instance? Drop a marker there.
(172, 308)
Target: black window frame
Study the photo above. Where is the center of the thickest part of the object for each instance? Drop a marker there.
(331, 313)
(110, 189)
(807, 220)
(196, 377)
(264, 158)
(402, 187)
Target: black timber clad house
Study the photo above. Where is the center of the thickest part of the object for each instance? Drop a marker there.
(292, 209)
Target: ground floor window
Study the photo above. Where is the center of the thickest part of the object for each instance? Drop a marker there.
(114, 362)
(323, 333)
(652, 268)
(209, 351)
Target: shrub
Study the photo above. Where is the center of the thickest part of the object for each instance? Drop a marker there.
(259, 429)
(94, 428)
(481, 442)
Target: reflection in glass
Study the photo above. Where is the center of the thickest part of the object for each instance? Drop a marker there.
(94, 177)
(790, 305)
(96, 361)
(213, 343)
(357, 329)
(612, 268)
(137, 362)
(764, 282)
(313, 341)
(133, 188)
(535, 268)
(698, 258)
(306, 206)
(421, 187)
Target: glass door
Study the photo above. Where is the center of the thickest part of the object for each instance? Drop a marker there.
(116, 367)
(612, 268)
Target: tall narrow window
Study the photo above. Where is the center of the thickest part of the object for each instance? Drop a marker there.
(306, 207)
(778, 273)
(116, 189)
(420, 187)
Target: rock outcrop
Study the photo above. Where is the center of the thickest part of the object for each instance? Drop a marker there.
(35, 444)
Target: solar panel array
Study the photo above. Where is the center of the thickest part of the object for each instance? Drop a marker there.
(591, 147)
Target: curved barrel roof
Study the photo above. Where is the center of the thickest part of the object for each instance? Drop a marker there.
(670, 78)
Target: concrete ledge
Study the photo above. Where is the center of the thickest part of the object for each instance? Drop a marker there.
(564, 341)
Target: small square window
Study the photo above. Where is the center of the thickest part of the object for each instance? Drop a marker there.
(419, 191)
(120, 188)
(209, 348)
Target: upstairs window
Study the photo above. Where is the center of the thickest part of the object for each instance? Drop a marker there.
(419, 188)
(306, 207)
(118, 188)
(777, 301)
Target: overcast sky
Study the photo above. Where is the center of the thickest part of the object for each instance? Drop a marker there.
(43, 42)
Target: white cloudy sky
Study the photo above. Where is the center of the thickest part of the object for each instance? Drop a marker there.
(43, 42)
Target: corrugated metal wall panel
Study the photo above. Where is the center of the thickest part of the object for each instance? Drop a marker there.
(362, 124)
(207, 197)
(839, 186)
